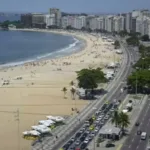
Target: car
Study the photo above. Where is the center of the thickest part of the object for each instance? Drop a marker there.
(82, 138)
(78, 134)
(72, 147)
(96, 130)
(70, 142)
(83, 146)
(72, 139)
(137, 124)
(86, 140)
(139, 132)
(81, 131)
(97, 113)
(112, 110)
(77, 142)
(92, 134)
(66, 146)
(106, 118)
(102, 114)
(87, 132)
(102, 122)
(110, 145)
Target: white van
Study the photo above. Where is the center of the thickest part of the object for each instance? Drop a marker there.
(143, 135)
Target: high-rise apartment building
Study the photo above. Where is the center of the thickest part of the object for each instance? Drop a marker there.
(38, 20)
(57, 13)
(128, 20)
(50, 20)
(100, 23)
(26, 20)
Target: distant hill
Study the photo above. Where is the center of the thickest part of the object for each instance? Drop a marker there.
(9, 16)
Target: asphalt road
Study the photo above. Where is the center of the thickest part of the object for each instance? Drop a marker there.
(134, 141)
(113, 93)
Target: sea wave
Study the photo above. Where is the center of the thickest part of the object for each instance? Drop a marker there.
(59, 53)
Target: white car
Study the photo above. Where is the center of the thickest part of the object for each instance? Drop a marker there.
(86, 140)
(77, 142)
(96, 130)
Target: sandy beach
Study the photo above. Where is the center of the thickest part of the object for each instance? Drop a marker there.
(36, 88)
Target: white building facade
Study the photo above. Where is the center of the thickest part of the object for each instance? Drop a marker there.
(50, 20)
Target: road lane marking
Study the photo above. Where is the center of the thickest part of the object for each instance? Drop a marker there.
(137, 147)
(119, 147)
(129, 146)
(132, 139)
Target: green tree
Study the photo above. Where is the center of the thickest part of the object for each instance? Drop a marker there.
(115, 118)
(89, 78)
(123, 120)
(123, 33)
(65, 91)
(145, 37)
(133, 41)
(141, 78)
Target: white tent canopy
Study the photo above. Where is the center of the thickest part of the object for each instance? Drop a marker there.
(46, 122)
(32, 132)
(56, 118)
(41, 128)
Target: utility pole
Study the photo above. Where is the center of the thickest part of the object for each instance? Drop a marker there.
(18, 120)
(94, 143)
(136, 84)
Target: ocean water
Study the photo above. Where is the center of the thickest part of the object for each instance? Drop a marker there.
(18, 47)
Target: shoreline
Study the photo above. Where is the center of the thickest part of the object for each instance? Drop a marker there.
(82, 45)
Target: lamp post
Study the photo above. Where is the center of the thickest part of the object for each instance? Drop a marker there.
(136, 82)
(143, 63)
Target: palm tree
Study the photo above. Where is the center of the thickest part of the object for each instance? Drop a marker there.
(73, 92)
(124, 120)
(65, 91)
(115, 118)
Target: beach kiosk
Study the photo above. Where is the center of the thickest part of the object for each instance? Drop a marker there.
(42, 129)
(47, 123)
(55, 118)
(31, 135)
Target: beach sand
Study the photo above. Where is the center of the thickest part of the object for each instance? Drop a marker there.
(39, 90)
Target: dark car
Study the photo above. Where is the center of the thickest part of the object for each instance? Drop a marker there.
(83, 146)
(66, 146)
(137, 124)
(77, 135)
(72, 147)
(110, 145)
(82, 138)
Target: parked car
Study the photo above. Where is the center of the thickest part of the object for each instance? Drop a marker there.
(110, 145)
(77, 142)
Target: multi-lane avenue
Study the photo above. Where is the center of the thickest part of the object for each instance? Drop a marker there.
(134, 141)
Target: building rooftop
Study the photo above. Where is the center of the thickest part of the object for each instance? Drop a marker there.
(109, 129)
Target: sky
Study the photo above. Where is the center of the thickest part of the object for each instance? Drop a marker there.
(87, 6)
